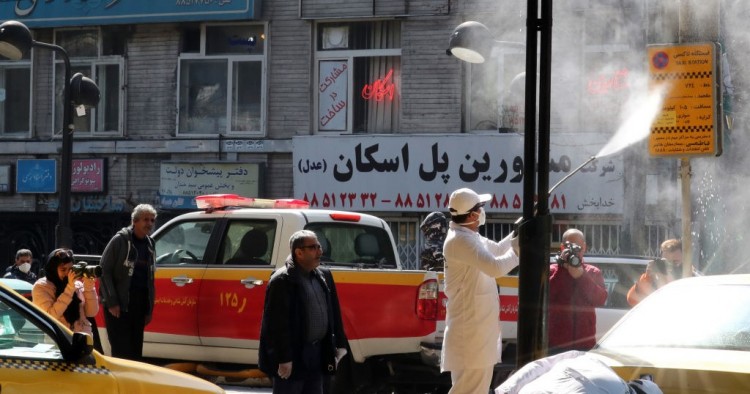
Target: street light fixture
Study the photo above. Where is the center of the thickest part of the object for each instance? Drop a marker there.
(15, 42)
(472, 41)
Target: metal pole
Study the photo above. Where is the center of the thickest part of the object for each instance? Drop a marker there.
(63, 231)
(535, 227)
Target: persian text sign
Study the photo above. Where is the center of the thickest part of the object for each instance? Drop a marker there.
(54, 13)
(36, 176)
(181, 182)
(687, 124)
(88, 176)
(418, 172)
(332, 95)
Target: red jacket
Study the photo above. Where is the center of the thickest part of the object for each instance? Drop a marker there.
(572, 307)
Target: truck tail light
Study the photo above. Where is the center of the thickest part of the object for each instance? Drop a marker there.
(427, 301)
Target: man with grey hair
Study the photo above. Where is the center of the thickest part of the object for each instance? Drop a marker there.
(302, 336)
(127, 283)
(22, 268)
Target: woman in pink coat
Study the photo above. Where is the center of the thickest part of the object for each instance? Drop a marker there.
(63, 294)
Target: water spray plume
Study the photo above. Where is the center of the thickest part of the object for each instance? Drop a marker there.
(638, 125)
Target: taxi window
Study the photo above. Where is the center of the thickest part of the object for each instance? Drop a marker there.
(248, 242)
(20, 337)
(354, 245)
(184, 242)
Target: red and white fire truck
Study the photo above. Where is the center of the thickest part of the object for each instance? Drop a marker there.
(213, 266)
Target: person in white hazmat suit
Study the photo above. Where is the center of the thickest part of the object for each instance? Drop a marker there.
(472, 262)
(572, 372)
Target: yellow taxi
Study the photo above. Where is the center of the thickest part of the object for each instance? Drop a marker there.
(39, 355)
(691, 336)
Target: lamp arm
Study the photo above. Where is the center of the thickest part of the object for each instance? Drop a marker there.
(520, 45)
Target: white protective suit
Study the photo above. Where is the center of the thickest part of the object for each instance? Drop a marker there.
(472, 333)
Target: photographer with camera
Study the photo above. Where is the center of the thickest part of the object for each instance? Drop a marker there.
(576, 289)
(67, 291)
(659, 272)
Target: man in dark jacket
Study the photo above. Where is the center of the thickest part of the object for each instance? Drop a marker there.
(302, 335)
(127, 283)
(22, 267)
(576, 289)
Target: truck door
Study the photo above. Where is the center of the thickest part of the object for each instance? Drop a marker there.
(180, 266)
(378, 300)
(234, 286)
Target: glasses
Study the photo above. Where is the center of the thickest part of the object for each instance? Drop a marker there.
(314, 247)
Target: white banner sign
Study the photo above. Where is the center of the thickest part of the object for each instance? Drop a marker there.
(418, 172)
(332, 97)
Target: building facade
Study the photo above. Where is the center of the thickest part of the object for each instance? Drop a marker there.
(272, 98)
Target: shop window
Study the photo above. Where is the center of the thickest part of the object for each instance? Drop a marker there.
(359, 77)
(97, 54)
(221, 81)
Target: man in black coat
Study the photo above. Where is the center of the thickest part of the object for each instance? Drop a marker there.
(302, 335)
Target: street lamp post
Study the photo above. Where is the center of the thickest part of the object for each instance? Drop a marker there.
(15, 41)
(534, 229)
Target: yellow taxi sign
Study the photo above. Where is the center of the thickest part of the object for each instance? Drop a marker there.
(687, 124)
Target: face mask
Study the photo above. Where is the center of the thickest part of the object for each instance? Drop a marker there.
(25, 267)
(482, 218)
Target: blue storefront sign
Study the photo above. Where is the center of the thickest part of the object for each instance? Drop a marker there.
(36, 176)
(56, 13)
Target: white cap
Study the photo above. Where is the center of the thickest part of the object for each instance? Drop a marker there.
(463, 200)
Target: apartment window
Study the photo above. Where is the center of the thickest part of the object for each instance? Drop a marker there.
(359, 76)
(15, 97)
(222, 80)
(97, 53)
(496, 91)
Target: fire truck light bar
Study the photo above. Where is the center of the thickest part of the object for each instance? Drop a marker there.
(218, 201)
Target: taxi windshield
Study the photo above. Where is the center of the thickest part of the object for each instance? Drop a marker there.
(706, 316)
(20, 337)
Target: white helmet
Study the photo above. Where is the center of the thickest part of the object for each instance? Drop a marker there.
(643, 386)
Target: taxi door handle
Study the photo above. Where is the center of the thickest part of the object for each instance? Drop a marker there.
(182, 280)
(251, 282)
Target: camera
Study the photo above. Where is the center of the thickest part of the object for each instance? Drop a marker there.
(83, 268)
(572, 256)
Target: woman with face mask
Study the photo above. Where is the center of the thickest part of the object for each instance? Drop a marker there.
(62, 293)
(22, 268)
